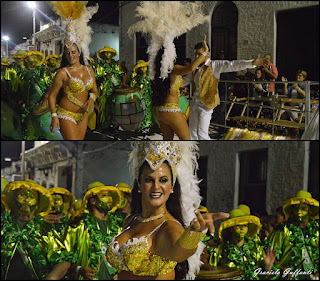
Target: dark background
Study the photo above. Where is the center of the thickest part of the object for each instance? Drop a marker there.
(17, 19)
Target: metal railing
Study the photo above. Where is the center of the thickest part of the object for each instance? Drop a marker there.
(274, 100)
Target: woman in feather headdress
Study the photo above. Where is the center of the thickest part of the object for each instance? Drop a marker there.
(166, 20)
(76, 108)
(161, 239)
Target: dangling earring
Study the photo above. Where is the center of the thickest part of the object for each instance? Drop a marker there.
(171, 191)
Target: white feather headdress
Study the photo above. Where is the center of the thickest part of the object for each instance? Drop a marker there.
(182, 157)
(166, 20)
(75, 17)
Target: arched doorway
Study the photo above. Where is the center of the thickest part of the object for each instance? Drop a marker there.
(224, 30)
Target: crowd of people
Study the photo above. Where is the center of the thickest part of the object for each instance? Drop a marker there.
(152, 229)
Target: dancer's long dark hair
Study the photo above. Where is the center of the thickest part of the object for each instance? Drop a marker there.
(64, 61)
(160, 88)
(173, 206)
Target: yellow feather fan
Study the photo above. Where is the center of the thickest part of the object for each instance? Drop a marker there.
(69, 9)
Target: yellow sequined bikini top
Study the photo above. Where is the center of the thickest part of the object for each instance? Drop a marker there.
(135, 257)
(76, 85)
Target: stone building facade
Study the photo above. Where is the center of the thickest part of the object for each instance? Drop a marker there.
(285, 169)
(256, 27)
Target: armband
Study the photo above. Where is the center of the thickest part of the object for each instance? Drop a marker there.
(190, 242)
(204, 54)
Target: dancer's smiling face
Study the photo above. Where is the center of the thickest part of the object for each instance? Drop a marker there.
(156, 186)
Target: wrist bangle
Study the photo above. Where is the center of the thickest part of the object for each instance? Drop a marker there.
(54, 115)
(78, 269)
(190, 242)
(204, 54)
(92, 96)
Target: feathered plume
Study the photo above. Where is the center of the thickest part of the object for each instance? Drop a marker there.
(166, 20)
(187, 177)
(75, 17)
(69, 9)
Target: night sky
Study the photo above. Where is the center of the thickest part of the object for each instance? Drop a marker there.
(17, 21)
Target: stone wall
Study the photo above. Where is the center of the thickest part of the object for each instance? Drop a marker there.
(285, 171)
(256, 27)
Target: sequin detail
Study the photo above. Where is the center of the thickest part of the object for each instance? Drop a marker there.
(156, 152)
(71, 116)
(168, 107)
(75, 86)
(177, 83)
(135, 257)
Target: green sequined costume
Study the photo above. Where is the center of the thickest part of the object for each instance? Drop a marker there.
(26, 252)
(297, 248)
(247, 258)
(144, 84)
(108, 77)
(88, 237)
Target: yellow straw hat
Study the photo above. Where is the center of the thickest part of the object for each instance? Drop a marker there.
(68, 199)
(302, 196)
(46, 201)
(95, 188)
(5, 61)
(238, 217)
(140, 63)
(245, 209)
(39, 57)
(53, 60)
(125, 189)
(102, 53)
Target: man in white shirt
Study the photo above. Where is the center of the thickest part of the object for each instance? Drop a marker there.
(205, 96)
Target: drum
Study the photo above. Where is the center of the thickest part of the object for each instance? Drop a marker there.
(42, 120)
(128, 108)
(220, 273)
(184, 106)
(11, 127)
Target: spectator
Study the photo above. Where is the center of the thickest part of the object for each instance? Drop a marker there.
(271, 73)
(295, 91)
(259, 89)
(268, 224)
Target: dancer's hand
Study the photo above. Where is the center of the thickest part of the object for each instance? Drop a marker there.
(88, 272)
(270, 257)
(205, 46)
(261, 62)
(203, 221)
(89, 105)
(54, 123)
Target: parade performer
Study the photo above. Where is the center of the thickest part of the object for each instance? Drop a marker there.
(109, 76)
(58, 219)
(154, 243)
(76, 107)
(92, 230)
(297, 239)
(166, 20)
(205, 96)
(123, 210)
(238, 246)
(18, 58)
(25, 252)
(140, 79)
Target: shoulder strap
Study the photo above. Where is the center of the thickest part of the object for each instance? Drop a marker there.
(89, 72)
(68, 73)
(156, 229)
